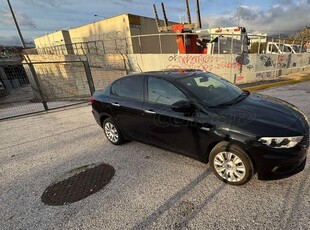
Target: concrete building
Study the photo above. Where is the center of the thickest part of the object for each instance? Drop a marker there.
(259, 37)
(128, 32)
(60, 37)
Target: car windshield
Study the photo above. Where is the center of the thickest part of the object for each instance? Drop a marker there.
(212, 90)
(284, 48)
(296, 48)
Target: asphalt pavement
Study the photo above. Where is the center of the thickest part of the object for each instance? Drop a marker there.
(151, 189)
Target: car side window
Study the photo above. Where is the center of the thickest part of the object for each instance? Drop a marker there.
(115, 88)
(274, 49)
(163, 92)
(128, 87)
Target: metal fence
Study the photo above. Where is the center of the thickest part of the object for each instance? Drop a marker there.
(113, 46)
(10, 52)
(21, 95)
(42, 86)
(166, 43)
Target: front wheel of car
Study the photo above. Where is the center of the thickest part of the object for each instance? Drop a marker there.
(231, 164)
(112, 132)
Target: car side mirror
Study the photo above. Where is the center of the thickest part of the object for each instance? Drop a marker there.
(182, 106)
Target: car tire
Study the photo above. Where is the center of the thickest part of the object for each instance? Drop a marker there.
(112, 132)
(231, 164)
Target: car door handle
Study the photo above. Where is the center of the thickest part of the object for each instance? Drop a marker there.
(149, 111)
(114, 104)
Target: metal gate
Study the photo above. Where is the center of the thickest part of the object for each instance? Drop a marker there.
(24, 90)
(16, 95)
(33, 87)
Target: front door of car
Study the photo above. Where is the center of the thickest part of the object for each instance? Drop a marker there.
(164, 126)
(126, 100)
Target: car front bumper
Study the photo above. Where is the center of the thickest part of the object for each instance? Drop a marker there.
(274, 164)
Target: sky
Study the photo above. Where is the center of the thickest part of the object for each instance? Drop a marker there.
(38, 17)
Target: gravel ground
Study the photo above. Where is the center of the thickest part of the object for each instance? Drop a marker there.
(151, 189)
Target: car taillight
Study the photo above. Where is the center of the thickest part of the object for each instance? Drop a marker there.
(92, 100)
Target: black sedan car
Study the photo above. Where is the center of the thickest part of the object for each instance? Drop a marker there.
(203, 116)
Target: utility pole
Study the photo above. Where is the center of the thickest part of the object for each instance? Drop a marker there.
(238, 13)
(17, 27)
(30, 65)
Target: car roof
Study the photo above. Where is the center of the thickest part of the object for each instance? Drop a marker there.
(172, 73)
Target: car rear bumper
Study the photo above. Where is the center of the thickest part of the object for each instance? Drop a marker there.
(97, 117)
(274, 164)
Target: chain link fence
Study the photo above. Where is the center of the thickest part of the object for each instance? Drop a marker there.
(10, 52)
(165, 43)
(113, 46)
(16, 94)
(42, 86)
(36, 86)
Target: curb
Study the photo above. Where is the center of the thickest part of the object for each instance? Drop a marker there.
(274, 84)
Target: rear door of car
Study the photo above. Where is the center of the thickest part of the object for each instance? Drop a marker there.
(163, 126)
(126, 100)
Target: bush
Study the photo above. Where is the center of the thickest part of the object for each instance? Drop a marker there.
(255, 45)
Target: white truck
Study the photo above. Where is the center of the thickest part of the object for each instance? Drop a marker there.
(225, 40)
(296, 48)
(278, 48)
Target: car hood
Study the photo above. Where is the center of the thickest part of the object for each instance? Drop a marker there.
(261, 115)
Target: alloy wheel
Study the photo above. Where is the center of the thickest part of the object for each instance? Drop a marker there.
(229, 166)
(111, 132)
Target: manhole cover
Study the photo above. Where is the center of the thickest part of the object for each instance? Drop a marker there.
(78, 184)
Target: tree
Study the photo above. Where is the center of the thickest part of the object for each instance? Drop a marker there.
(255, 45)
(302, 35)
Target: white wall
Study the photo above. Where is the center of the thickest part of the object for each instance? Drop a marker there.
(255, 67)
(66, 80)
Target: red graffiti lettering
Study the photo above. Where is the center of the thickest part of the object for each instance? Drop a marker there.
(239, 78)
(203, 62)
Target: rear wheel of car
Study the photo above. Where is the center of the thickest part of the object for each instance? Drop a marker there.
(231, 164)
(112, 132)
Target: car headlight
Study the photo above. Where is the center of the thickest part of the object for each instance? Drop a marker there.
(280, 142)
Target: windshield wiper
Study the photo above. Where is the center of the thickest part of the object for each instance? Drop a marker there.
(241, 96)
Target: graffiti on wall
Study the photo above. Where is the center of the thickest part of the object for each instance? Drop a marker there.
(281, 62)
(239, 78)
(203, 62)
(263, 74)
(249, 67)
(266, 60)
